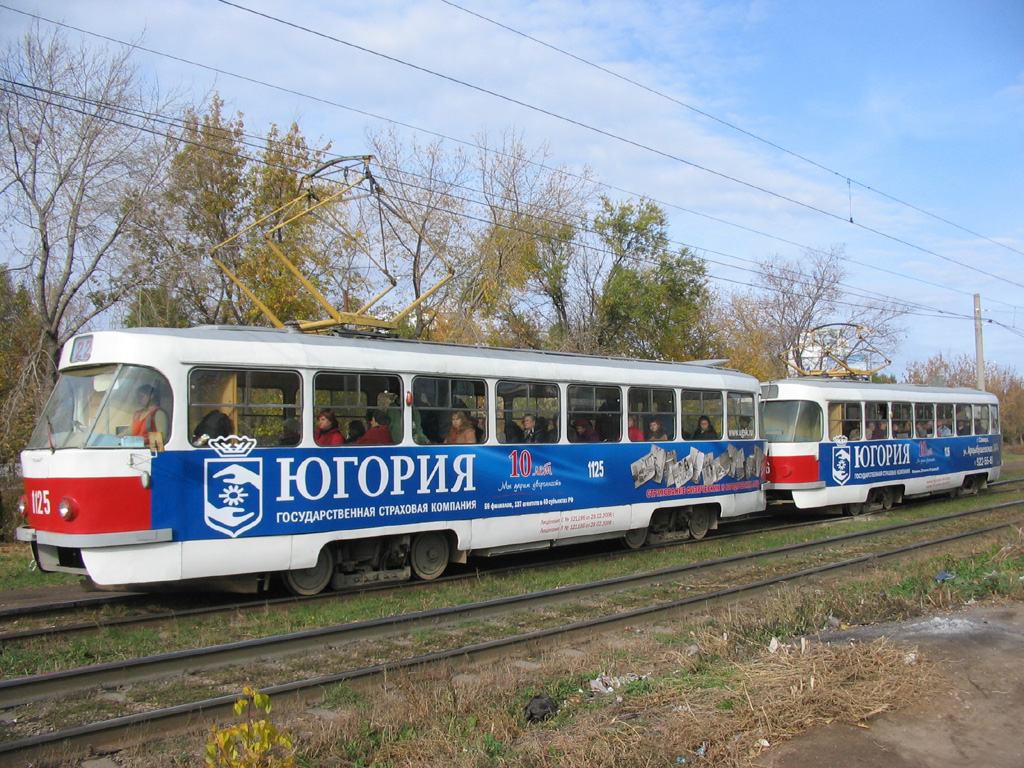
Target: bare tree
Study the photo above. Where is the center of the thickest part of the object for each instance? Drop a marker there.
(427, 230)
(764, 327)
(80, 153)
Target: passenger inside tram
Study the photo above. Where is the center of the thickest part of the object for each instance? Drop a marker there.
(705, 430)
(379, 432)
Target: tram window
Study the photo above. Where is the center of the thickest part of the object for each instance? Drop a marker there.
(981, 422)
(449, 410)
(791, 421)
(876, 421)
(964, 420)
(902, 420)
(105, 407)
(944, 419)
(527, 412)
(246, 403)
(994, 423)
(740, 414)
(845, 419)
(354, 397)
(696, 404)
(652, 413)
(595, 413)
(924, 420)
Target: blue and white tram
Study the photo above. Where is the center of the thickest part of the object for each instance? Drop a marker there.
(230, 454)
(859, 446)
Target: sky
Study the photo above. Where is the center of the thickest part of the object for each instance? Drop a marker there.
(763, 127)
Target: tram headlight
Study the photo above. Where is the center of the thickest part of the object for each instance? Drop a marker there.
(23, 506)
(67, 509)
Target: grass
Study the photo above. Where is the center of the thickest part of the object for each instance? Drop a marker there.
(18, 569)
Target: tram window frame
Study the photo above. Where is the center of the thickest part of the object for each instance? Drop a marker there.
(876, 413)
(924, 420)
(652, 403)
(982, 422)
(440, 397)
(261, 417)
(944, 413)
(902, 421)
(964, 419)
(514, 400)
(846, 418)
(739, 414)
(349, 394)
(588, 401)
(708, 403)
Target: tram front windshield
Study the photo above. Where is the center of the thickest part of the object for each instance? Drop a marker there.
(791, 421)
(98, 407)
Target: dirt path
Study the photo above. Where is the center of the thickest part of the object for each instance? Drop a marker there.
(978, 721)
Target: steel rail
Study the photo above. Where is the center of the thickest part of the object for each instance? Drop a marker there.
(132, 728)
(18, 691)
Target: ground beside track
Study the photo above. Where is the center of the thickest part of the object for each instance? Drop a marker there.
(976, 721)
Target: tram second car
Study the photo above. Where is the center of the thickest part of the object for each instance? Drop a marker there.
(856, 446)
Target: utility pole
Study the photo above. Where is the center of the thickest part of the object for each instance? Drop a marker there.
(979, 352)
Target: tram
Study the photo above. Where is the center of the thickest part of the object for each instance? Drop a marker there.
(855, 446)
(211, 456)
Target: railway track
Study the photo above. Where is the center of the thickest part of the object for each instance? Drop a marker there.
(105, 734)
(10, 617)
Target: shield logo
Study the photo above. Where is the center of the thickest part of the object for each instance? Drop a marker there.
(842, 459)
(233, 489)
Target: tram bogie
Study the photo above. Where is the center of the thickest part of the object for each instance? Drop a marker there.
(183, 456)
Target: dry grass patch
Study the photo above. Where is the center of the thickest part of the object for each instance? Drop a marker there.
(705, 693)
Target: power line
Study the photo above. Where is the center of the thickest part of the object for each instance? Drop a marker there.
(182, 125)
(902, 303)
(609, 134)
(472, 145)
(725, 123)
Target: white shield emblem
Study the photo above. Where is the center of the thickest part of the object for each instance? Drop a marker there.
(841, 461)
(233, 487)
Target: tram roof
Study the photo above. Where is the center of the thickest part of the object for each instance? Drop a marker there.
(869, 390)
(282, 348)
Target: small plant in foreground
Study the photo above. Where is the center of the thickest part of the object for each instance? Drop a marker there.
(255, 743)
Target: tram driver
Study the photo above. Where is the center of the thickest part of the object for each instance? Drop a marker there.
(150, 417)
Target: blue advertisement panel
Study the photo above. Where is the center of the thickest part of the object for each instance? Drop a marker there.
(231, 490)
(846, 463)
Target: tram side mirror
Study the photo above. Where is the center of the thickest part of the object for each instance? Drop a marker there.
(156, 442)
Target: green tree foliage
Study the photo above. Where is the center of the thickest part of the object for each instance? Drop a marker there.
(961, 371)
(18, 352)
(217, 190)
(653, 302)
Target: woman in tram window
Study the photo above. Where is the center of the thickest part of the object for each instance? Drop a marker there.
(462, 430)
(705, 430)
(327, 431)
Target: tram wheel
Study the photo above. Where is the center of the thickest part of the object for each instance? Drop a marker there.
(311, 581)
(852, 510)
(700, 522)
(429, 555)
(635, 538)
